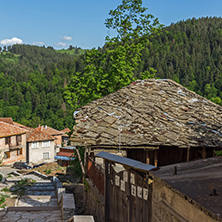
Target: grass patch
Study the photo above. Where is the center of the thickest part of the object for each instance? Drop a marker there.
(48, 171)
(218, 152)
(5, 189)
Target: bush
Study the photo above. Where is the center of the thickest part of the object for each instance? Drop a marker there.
(218, 152)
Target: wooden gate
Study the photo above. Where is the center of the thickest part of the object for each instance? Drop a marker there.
(127, 195)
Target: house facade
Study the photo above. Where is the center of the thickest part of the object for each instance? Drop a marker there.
(56, 134)
(12, 143)
(40, 147)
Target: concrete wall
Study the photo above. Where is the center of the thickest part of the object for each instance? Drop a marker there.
(36, 154)
(94, 204)
(170, 205)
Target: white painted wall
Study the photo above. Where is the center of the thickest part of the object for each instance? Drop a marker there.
(36, 154)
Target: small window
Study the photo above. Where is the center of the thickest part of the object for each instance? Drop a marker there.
(6, 155)
(45, 156)
(19, 152)
(8, 140)
(35, 145)
(45, 143)
(18, 138)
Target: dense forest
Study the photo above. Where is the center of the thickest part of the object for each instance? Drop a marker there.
(33, 79)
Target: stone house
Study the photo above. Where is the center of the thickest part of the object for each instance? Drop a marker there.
(12, 143)
(155, 121)
(40, 147)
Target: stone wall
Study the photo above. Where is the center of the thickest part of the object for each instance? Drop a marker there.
(171, 205)
(94, 202)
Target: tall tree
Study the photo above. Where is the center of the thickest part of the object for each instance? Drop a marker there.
(114, 66)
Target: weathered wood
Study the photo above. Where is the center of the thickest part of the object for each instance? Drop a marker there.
(80, 161)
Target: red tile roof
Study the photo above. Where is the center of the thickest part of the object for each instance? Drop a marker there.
(66, 130)
(49, 130)
(22, 126)
(65, 154)
(6, 120)
(7, 129)
(38, 135)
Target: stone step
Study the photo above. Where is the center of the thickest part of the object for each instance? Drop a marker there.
(41, 193)
(34, 208)
(39, 201)
(30, 216)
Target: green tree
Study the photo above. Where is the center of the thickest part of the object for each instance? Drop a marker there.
(114, 66)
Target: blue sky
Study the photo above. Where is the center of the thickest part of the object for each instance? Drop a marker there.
(80, 23)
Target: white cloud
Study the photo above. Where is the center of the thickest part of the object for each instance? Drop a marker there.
(61, 44)
(38, 43)
(11, 41)
(67, 38)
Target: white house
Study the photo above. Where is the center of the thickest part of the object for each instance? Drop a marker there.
(40, 147)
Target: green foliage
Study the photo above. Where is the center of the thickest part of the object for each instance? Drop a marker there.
(48, 171)
(75, 164)
(2, 201)
(31, 87)
(115, 66)
(218, 152)
(5, 189)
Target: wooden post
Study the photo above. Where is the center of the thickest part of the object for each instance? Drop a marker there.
(188, 154)
(147, 157)
(203, 153)
(80, 161)
(106, 189)
(156, 158)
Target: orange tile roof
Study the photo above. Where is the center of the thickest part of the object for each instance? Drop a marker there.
(49, 130)
(22, 126)
(38, 135)
(7, 129)
(66, 130)
(7, 120)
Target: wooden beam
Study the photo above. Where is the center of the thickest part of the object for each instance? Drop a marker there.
(188, 154)
(80, 161)
(106, 189)
(203, 153)
(147, 158)
(155, 158)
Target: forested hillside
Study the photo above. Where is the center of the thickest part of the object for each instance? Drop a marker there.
(33, 79)
(190, 53)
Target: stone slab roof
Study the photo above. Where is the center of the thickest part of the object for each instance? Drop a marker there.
(200, 180)
(150, 112)
(7, 129)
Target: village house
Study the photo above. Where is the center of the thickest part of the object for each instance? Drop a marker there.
(40, 147)
(12, 143)
(155, 121)
(56, 134)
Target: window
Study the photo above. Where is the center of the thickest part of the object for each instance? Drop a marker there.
(19, 152)
(7, 155)
(35, 144)
(18, 139)
(8, 140)
(45, 143)
(45, 156)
